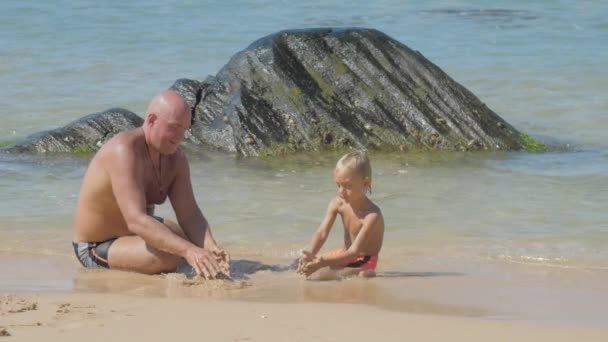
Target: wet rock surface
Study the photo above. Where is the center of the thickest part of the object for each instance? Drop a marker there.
(314, 90)
(308, 90)
(84, 135)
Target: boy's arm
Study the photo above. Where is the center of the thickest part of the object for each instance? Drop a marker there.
(320, 236)
(355, 248)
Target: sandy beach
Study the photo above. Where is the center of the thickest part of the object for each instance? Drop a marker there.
(95, 317)
(268, 303)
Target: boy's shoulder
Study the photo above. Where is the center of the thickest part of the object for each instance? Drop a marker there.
(374, 208)
(336, 203)
(373, 212)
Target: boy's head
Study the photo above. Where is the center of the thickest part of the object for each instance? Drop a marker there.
(353, 175)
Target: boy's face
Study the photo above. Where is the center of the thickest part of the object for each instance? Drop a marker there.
(350, 185)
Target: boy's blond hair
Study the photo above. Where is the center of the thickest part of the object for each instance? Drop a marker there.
(357, 161)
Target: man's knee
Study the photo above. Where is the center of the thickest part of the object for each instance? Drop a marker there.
(161, 262)
(164, 264)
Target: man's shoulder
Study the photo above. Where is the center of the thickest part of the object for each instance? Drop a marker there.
(119, 146)
(122, 140)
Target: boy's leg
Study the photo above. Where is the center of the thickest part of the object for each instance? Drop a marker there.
(367, 273)
(349, 272)
(356, 272)
(325, 273)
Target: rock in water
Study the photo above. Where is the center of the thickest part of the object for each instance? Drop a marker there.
(308, 90)
(84, 135)
(311, 90)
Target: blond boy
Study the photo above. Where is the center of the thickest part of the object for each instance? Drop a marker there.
(362, 220)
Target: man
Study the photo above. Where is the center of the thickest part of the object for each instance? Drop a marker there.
(115, 227)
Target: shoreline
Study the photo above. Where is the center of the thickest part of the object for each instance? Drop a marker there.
(458, 289)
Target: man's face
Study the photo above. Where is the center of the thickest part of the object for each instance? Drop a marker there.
(170, 132)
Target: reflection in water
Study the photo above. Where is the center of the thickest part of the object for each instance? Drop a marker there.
(180, 284)
(171, 285)
(261, 282)
(382, 292)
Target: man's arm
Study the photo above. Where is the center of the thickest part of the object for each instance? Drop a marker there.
(189, 216)
(129, 192)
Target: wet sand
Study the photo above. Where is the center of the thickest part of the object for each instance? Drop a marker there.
(469, 300)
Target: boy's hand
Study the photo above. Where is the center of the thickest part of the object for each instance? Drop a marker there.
(312, 266)
(307, 256)
(303, 260)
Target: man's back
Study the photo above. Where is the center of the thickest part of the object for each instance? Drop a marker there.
(98, 216)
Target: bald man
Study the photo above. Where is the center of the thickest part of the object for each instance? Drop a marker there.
(135, 170)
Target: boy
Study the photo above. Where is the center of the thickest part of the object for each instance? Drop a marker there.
(362, 220)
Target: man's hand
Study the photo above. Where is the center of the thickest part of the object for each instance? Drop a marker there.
(223, 260)
(204, 262)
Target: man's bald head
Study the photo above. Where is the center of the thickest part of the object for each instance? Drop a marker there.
(167, 118)
(169, 105)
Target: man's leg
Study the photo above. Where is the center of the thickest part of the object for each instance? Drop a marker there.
(132, 253)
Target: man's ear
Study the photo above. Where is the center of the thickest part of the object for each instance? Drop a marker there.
(151, 118)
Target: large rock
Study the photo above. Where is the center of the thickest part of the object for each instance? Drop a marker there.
(84, 135)
(307, 90)
(316, 89)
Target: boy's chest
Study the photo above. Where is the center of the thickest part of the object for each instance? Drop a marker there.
(352, 224)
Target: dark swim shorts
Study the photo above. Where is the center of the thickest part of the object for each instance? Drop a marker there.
(95, 254)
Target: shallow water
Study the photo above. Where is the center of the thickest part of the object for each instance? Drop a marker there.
(512, 207)
(516, 223)
(461, 229)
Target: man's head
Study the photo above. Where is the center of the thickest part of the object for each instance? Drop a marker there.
(353, 175)
(167, 118)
